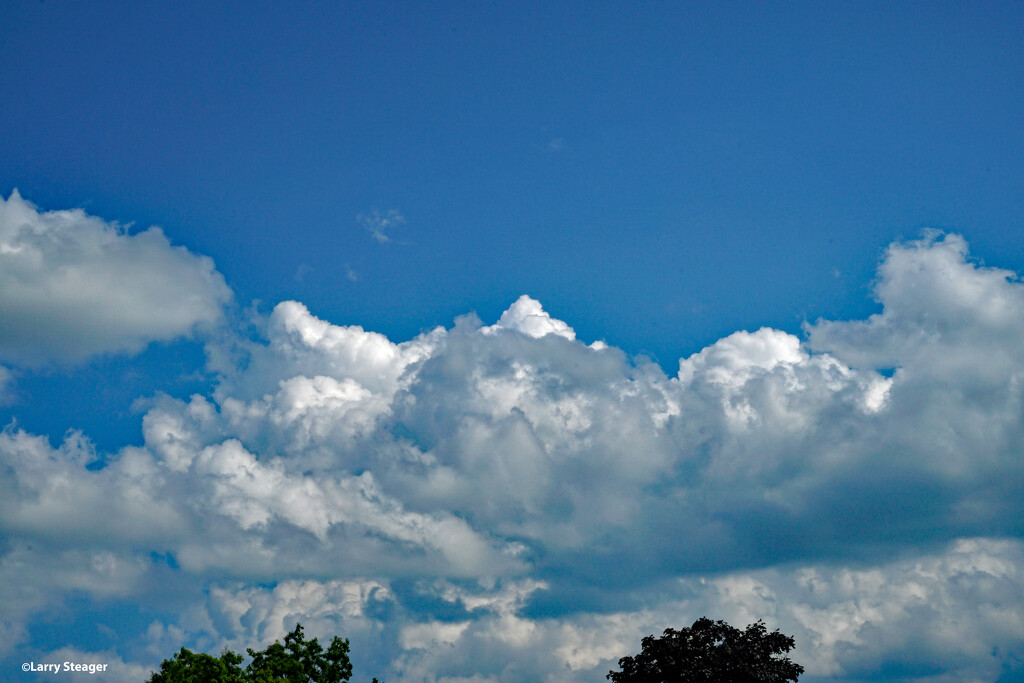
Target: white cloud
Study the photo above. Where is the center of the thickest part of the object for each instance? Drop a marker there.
(733, 361)
(72, 285)
(507, 503)
(258, 615)
(527, 316)
(299, 344)
(940, 310)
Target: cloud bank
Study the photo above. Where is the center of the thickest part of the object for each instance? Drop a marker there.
(72, 286)
(507, 503)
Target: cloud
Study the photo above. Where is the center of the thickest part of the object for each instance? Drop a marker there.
(937, 307)
(949, 611)
(506, 502)
(380, 223)
(6, 386)
(527, 316)
(953, 609)
(34, 578)
(72, 286)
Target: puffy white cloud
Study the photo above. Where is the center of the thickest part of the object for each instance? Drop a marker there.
(301, 345)
(507, 503)
(528, 317)
(733, 361)
(72, 285)
(944, 318)
(218, 506)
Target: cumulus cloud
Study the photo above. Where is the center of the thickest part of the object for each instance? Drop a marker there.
(527, 315)
(937, 306)
(72, 285)
(506, 502)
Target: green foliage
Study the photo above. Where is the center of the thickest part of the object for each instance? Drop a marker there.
(711, 652)
(299, 661)
(295, 661)
(198, 667)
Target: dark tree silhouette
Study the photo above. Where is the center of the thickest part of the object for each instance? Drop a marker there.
(296, 661)
(711, 652)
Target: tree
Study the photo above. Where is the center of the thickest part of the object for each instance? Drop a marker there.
(299, 661)
(194, 667)
(295, 661)
(711, 652)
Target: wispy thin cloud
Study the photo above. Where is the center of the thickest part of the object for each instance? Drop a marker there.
(379, 223)
(6, 386)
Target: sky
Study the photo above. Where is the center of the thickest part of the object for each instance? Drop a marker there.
(496, 337)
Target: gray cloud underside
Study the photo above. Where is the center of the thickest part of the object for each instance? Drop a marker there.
(507, 503)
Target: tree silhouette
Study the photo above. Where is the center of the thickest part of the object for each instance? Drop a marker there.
(297, 660)
(711, 652)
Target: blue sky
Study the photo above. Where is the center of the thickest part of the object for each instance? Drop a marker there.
(816, 208)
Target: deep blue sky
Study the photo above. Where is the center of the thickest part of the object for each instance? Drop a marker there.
(716, 165)
(657, 175)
